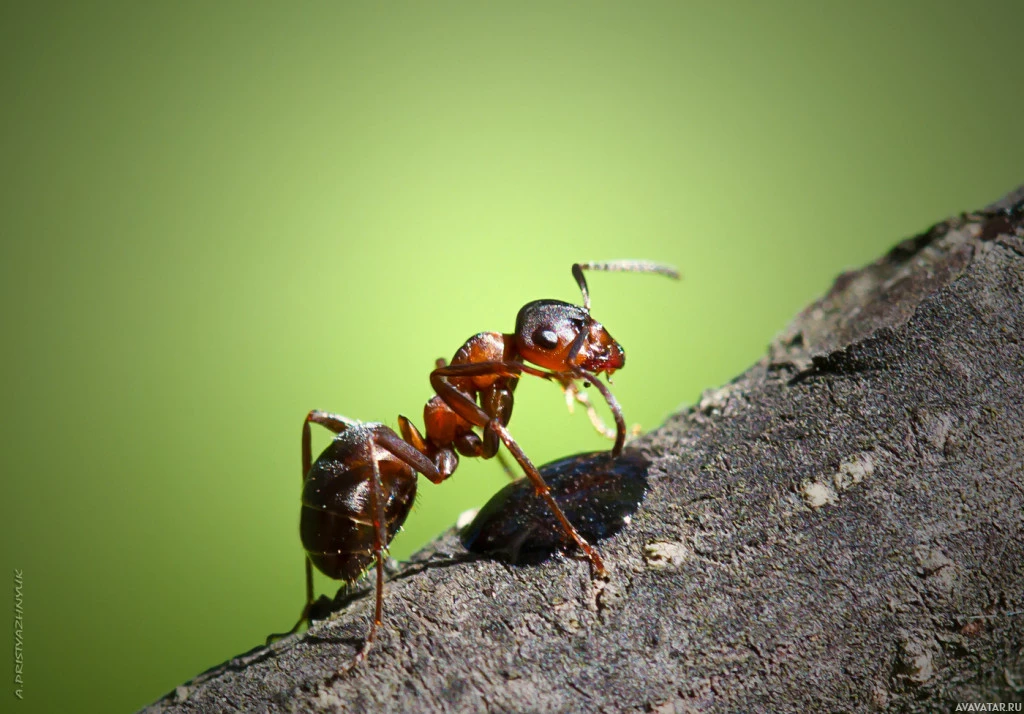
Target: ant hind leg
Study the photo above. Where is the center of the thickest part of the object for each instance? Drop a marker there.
(337, 424)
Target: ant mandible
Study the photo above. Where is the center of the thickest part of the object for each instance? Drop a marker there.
(359, 491)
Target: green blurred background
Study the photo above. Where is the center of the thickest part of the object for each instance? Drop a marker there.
(216, 216)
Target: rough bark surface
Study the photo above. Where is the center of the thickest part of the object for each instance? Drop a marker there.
(841, 528)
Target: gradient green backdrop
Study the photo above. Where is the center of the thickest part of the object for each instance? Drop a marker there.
(216, 216)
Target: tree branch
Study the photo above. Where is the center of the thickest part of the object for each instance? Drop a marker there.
(841, 527)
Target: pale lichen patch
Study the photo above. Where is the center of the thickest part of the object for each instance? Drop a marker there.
(817, 494)
(916, 661)
(853, 470)
(662, 555)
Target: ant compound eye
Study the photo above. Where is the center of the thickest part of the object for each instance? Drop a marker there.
(546, 339)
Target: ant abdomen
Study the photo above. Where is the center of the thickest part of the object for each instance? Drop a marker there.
(337, 526)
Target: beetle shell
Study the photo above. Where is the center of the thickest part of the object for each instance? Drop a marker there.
(596, 491)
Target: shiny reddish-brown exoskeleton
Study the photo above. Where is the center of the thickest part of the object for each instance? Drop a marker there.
(357, 494)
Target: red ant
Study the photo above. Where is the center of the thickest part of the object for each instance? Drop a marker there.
(359, 491)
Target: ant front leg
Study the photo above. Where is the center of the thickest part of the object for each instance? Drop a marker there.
(337, 424)
(616, 411)
(469, 410)
(574, 396)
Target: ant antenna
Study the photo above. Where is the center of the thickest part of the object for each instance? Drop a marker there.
(618, 266)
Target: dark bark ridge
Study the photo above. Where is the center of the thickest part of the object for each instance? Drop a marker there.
(841, 527)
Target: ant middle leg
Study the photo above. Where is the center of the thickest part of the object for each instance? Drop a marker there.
(469, 410)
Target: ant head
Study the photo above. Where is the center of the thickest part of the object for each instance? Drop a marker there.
(564, 337)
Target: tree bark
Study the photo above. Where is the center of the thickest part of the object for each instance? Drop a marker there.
(840, 528)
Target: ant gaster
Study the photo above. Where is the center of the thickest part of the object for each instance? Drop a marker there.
(358, 493)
